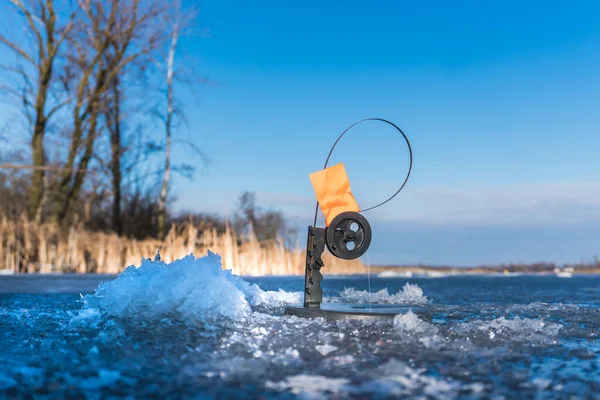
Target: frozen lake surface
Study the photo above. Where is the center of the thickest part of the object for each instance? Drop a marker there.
(190, 330)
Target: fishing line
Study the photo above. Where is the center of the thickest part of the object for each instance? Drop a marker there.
(409, 165)
(369, 280)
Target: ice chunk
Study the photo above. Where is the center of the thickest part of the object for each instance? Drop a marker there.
(325, 349)
(411, 327)
(541, 383)
(87, 316)
(517, 329)
(196, 289)
(269, 301)
(399, 379)
(310, 386)
(105, 378)
(410, 295)
(411, 322)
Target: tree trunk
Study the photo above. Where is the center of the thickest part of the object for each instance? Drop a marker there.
(47, 53)
(38, 215)
(66, 208)
(162, 205)
(36, 192)
(115, 164)
(84, 109)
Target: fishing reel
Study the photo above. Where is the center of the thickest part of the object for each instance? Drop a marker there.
(348, 236)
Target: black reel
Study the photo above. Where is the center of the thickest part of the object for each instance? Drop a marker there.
(348, 236)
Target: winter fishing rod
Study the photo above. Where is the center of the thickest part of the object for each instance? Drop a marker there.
(347, 235)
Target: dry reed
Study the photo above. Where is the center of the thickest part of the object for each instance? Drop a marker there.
(26, 247)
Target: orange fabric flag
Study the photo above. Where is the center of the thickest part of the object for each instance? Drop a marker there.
(332, 188)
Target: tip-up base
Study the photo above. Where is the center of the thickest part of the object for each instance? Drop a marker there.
(339, 311)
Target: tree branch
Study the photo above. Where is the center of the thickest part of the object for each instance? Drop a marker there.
(17, 50)
(40, 168)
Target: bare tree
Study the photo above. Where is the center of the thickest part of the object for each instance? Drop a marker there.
(162, 205)
(178, 22)
(35, 70)
(129, 146)
(127, 31)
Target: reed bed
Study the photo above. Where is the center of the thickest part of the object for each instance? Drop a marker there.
(26, 247)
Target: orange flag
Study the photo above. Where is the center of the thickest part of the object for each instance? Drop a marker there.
(332, 188)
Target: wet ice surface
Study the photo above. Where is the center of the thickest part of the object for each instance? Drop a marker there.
(190, 330)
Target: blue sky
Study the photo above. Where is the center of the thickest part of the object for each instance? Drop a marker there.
(501, 102)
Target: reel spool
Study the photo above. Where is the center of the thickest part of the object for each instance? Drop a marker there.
(347, 236)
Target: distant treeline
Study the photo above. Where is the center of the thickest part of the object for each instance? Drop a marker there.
(592, 267)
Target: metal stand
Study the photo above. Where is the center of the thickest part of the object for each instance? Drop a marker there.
(315, 246)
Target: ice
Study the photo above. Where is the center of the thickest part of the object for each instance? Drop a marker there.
(410, 322)
(411, 294)
(87, 316)
(325, 349)
(6, 382)
(104, 378)
(410, 327)
(269, 301)
(395, 274)
(340, 361)
(29, 375)
(199, 291)
(196, 290)
(311, 386)
(531, 338)
(516, 329)
(541, 383)
(399, 379)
